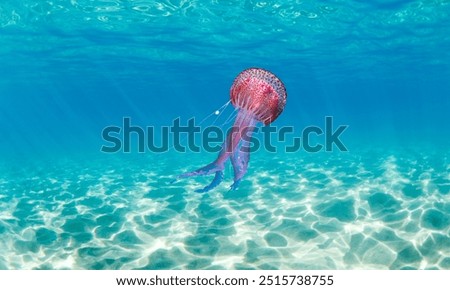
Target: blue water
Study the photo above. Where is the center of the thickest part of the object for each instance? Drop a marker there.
(68, 69)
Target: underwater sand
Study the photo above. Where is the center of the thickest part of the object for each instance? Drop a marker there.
(374, 210)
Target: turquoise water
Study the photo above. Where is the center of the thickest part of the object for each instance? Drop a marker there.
(71, 68)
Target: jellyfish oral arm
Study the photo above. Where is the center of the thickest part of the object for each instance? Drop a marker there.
(239, 161)
(240, 153)
(242, 129)
(235, 147)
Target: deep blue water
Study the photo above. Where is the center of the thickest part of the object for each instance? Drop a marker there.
(68, 69)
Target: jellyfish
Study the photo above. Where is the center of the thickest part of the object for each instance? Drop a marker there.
(259, 96)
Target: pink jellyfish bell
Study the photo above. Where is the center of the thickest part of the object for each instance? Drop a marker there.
(259, 96)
